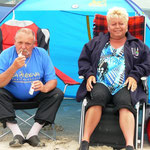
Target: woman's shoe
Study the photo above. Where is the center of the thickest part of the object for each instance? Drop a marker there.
(17, 141)
(34, 141)
(84, 145)
(129, 147)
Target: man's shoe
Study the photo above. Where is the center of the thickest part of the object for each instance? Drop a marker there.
(17, 141)
(129, 147)
(84, 145)
(34, 141)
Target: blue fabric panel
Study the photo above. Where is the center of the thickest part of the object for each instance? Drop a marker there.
(4, 11)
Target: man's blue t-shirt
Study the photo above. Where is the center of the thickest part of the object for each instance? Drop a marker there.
(38, 67)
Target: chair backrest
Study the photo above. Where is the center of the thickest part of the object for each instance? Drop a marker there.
(136, 26)
(9, 29)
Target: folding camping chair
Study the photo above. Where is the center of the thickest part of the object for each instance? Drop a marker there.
(7, 33)
(108, 131)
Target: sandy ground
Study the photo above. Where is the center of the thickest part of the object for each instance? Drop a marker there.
(59, 144)
(67, 131)
(62, 142)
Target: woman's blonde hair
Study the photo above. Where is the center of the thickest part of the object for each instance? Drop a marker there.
(116, 12)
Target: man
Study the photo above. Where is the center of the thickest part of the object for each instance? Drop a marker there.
(26, 74)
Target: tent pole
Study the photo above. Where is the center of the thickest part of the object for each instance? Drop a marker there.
(88, 27)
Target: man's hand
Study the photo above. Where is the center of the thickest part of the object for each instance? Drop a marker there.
(89, 85)
(131, 83)
(38, 86)
(19, 62)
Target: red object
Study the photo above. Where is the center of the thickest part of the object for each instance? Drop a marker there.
(148, 129)
(136, 25)
(11, 31)
(65, 78)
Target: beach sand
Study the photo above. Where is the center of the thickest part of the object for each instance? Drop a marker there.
(67, 125)
(58, 144)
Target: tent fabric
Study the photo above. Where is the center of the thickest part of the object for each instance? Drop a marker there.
(70, 23)
(4, 10)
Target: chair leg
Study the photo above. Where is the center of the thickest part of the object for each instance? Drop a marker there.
(82, 120)
(137, 123)
(140, 138)
(26, 122)
(143, 124)
(54, 133)
(31, 116)
(5, 134)
(65, 88)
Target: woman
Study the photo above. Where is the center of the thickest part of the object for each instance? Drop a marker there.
(112, 65)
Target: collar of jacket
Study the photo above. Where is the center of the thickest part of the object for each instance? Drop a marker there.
(128, 35)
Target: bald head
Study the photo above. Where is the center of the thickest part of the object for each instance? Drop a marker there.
(25, 31)
(24, 41)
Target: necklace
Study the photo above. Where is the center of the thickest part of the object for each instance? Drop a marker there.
(113, 50)
(27, 61)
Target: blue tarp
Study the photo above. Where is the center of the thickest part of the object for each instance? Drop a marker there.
(67, 22)
(4, 10)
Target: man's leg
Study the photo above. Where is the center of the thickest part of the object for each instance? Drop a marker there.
(46, 113)
(35, 130)
(14, 129)
(32, 137)
(7, 110)
(18, 137)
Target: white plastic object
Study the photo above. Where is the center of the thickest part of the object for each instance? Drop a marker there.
(81, 77)
(143, 78)
(31, 91)
(20, 54)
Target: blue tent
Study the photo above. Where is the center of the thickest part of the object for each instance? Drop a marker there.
(4, 10)
(70, 23)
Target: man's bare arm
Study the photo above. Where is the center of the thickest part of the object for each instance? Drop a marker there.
(6, 76)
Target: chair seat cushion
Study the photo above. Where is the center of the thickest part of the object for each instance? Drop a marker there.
(108, 130)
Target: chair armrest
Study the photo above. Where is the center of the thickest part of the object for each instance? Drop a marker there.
(65, 78)
(145, 85)
(81, 77)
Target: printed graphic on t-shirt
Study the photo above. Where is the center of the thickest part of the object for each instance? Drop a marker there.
(21, 77)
